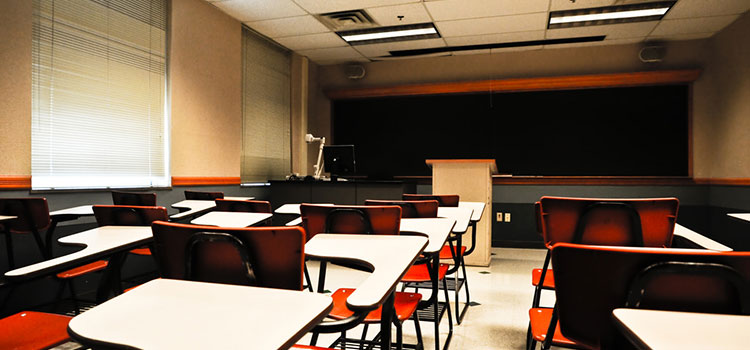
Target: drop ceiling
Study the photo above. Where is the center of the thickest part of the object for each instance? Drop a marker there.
(292, 23)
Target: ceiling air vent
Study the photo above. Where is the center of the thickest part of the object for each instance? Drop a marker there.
(346, 20)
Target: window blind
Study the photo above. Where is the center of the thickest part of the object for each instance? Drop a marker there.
(266, 120)
(99, 94)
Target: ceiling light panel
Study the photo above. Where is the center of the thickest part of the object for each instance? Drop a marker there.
(652, 11)
(390, 34)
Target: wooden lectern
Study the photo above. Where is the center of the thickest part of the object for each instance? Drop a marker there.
(471, 179)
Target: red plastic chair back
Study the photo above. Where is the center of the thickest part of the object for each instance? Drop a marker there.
(538, 217)
(204, 196)
(147, 199)
(444, 200)
(32, 214)
(607, 221)
(411, 209)
(276, 253)
(591, 281)
(128, 215)
(383, 220)
(243, 206)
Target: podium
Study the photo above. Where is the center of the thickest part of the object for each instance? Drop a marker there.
(471, 179)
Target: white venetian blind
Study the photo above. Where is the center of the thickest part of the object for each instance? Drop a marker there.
(99, 94)
(266, 119)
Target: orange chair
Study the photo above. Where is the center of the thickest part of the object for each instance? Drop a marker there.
(359, 220)
(134, 198)
(33, 330)
(598, 221)
(661, 279)
(32, 216)
(200, 195)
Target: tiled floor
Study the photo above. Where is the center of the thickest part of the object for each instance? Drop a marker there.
(503, 291)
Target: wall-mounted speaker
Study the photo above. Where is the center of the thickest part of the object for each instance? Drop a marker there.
(354, 71)
(652, 53)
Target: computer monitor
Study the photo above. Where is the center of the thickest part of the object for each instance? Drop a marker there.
(339, 160)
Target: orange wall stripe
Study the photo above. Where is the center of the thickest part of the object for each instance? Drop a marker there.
(204, 181)
(525, 84)
(15, 182)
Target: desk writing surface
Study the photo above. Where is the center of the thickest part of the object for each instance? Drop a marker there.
(462, 215)
(98, 242)
(699, 239)
(239, 198)
(7, 217)
(477, 207)
(437, 231)
(293, 208)
(390, 256)
(194, 206)
(741, 216)
(652, 329)
(81, 210)
(174, 314)
(230, 219)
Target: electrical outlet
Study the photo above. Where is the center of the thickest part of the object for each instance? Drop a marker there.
(499, 216)
(507, 217)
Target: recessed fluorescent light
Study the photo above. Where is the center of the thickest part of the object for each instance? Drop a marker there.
(653, 11)
(389, 34)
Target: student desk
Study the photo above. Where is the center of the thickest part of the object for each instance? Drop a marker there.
(175, 314)
(293, 208)
(230, 219)
(193, 206)
(476, 207)
(651, 329)
(388, 256)
(98, 243)
(7, 217)
(58, 216)
(741, 216)
(699, 240)
(462, 215)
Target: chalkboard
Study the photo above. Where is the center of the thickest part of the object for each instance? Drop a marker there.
(632, 131)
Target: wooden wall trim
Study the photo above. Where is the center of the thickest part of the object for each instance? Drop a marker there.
(725, 181)
(204, 181)
(524, 84)
(12, 182)
(599, 180)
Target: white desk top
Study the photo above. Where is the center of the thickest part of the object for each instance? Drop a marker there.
(390, 257)
(699, 239)
(240, 198)
(98, 242)
(7, 217)
(293, 208)
(477, 207)
(230, 219)
(462, 215)
(173, 314)
(437, 231)
(81, 210)
(651, 329)
(741, 216)
(194, 206)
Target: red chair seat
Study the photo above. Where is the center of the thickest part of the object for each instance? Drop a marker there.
(540, 318)
(33, 330)
(404, 304)
(82, 270)
(141, 251)
(420, 273)
(549, 278)
(445, 253)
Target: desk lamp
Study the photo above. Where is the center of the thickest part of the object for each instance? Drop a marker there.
(309, 138)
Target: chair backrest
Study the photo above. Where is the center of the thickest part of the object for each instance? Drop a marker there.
(218, 257)
(645, 222)
(243, 206)
(32, 214)
(134, 198)
(538, 217)
(128, 215)
(411, 209)
(201, 195)
(276, 254)
(444, 200)
(591, 281)
(382, 220)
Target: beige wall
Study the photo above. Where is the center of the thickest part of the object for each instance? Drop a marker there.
(538, 63)
(206, 85)
(15, 87)
(725, 105)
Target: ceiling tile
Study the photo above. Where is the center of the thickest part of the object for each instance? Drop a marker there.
(290, 26)
(388, 15)
(340, 61)
(471, 52)
(346, 53)
(325, 6)
(692, 25)
(377, 50)
(559, 5)
(460, 9)
(495, 38)
(514, 49)
(312, 41)
(258, 10)
(492, 25)
(678, 37)
(704, 8)
(612, 31)
(388, 58)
